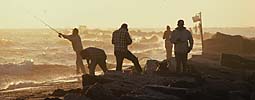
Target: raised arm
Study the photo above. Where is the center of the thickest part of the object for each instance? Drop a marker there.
(69, 37)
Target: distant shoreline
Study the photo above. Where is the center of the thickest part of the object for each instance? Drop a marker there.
(134, 28)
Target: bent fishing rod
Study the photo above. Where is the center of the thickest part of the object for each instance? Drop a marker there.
(43, 22)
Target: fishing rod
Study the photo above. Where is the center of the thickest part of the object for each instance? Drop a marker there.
(48, 26)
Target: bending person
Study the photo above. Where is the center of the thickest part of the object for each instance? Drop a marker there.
(94, 56)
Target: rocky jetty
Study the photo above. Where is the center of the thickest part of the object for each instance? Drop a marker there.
(204, 82)
(223, 43)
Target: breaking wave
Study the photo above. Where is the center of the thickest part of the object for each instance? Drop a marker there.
(25, 73)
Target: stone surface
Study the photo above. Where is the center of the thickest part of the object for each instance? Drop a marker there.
(90, 80)
(59, 93)
(98, 92)
(73, 96)
(52, 99)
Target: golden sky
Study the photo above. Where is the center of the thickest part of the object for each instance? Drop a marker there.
(137, 13)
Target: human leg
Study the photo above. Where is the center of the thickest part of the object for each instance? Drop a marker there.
(134, 60)
(184, 62)
(119, 60)
(168, 46)
(79, 64)
(178, 61)
(102, 64)
(92, 67)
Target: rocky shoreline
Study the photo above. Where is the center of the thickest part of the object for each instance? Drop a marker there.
(207, 80)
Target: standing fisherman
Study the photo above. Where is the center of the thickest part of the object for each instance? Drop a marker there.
(75, 39)
(121, 39)
(168, 44)
(183, 44)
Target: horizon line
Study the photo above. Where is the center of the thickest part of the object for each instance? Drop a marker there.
(129, 28)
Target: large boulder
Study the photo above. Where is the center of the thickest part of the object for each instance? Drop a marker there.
(151, 66)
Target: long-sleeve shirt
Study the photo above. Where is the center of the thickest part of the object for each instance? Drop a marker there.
(75, 39)
(121, 39)
(182, 40)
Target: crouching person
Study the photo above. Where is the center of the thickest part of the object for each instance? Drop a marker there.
(94, 57)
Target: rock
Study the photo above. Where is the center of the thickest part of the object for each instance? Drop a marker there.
(163, 67)
(222, 43)
(73, 96)
(145, 97)
(59, 93)
(148, 94)
(236, 95)
(233, 61)
(242, 86)
(253, 96)
(77, 91)
(151, 66)
(217, 89)
(179, 92)
(98, 92)
(90, 80)
(52, 99)
(251, 78)
(20, 99)
(119, 88)
(184, 84)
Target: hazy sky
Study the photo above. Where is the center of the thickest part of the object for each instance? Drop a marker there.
(137, 13)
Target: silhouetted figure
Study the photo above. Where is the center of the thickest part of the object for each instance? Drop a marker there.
(168, 44)
(75, 39)
(183, 44)
(121, 39)
(94, 56)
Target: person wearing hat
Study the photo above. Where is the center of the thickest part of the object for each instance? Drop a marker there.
(183, 44)
(75, 39)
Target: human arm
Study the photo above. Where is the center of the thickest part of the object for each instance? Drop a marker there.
(128, 38)
(164, 36)
(88, 61)
(69, 37)
(173, 37)
(191, 41)
(113, 38)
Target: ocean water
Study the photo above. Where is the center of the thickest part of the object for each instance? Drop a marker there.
(39, 55)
